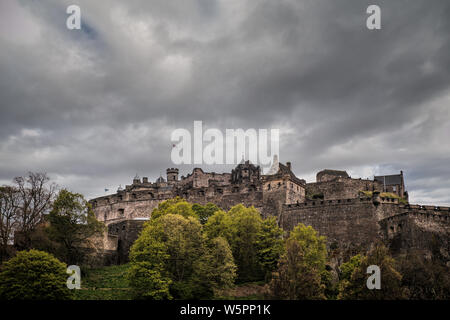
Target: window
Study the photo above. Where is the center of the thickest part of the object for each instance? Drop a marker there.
(134, 196)
(394, 188)
(121, 212)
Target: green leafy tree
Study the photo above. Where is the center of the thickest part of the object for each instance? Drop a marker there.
(256, 243)
(219, 225)
(214, 269)
(301, 269)
(346, 271)
(270, 245)
(296, 278)
(34, 275)
(184, 266)
(246, 225)
(204, 212)
(149, 281)
(72, 223)
(315, 250)
(174, 206)
(348, 267)
(391, 289)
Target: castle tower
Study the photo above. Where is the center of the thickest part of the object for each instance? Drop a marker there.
(172, 174)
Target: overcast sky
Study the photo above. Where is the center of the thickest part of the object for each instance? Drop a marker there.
(95, 106)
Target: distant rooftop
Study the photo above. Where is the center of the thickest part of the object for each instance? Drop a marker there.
(339, 173)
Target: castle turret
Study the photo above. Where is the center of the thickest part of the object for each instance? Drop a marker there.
(172, 174)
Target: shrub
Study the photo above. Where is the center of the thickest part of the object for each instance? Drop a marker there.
(34, 275)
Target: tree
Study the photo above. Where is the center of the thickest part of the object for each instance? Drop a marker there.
(72, 223)
(348, 267)
(425, 279)
(301, 268)
(256, 243)
(174, 206)
(296, 278)
(215, 269)
(270, 245)
(245, 226)
(148, 282)
(219, 225)
(182, 264)
(35, 196)
(204, 212)
(356, 287)
(346, 271)
(34, 275)
(314, 245)
(8, 218)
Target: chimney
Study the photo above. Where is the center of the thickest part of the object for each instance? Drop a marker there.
(288, 164)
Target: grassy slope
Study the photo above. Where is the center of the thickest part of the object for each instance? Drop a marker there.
(243, 291)
(107, 283)
(110, 283)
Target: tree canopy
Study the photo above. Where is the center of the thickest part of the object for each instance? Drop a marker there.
(72, 223)
(175, 260)
(34, 275)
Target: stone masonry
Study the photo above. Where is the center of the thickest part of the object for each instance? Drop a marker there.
(350, 212)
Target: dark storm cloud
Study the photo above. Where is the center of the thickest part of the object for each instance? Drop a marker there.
(94, 107)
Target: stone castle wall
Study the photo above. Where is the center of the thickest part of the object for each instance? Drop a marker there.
(341, 188)
(351, 222)
(424, 229)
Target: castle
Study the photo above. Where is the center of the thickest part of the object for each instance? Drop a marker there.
(352, 213)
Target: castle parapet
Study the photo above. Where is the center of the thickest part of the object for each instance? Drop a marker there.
(317, 203)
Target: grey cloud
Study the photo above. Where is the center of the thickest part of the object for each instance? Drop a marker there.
(99, 105)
